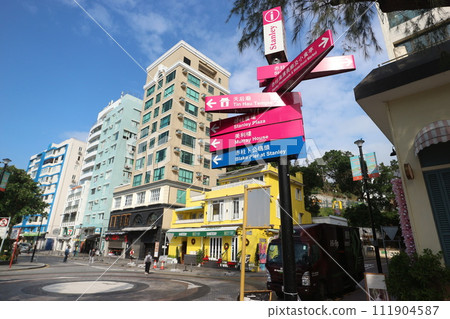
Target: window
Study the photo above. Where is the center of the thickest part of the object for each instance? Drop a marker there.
(169, 91)
(166, 106)
(187, 61)
(181, 196)
(190, 124)
(147, 177)
(142, 147)
(140, 163)
(187, 158)
(207, 147)
(144, 132)
(170, 77)
(158, 97)
(236, 208)
(154, 194)
(160, 155)
(193, 95)
(151, 144)
(216, 210)
(215, 248)
(206, 163)
(156, 112)
(150, 159)
(210, 89)
(128, 200)
(137, 180)
(194, 80)
(154, 127)
(150, 90)
(209, 117)
(165, 121)
(208, 131)
(298, 194)
(148, 104)
(191, 109)
(141, 198)
(206, 180)
(185, 176)
(158, 174)
(163, 138)
(117, 202)
(146, 117)
(160, 82)
(110, 160)
(188, 140)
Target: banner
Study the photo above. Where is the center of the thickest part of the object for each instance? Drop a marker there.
(4, 181)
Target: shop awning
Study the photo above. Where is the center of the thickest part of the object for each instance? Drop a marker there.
(185, 209)
(128, 229)
(433, 133)
(119, 233)
(203, 231)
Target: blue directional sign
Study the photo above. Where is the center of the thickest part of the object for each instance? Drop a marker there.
(292, 147)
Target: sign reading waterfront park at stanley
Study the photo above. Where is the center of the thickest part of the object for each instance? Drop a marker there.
(251, 102)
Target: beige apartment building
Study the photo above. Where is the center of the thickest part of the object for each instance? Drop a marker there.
(172, 150)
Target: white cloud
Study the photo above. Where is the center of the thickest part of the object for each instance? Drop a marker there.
(82, 136)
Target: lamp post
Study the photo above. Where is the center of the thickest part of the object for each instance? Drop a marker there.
(362, 162)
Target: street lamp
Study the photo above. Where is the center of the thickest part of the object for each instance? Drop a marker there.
(362, 162)
(6, 161)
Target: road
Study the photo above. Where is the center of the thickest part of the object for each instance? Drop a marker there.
(77, 280)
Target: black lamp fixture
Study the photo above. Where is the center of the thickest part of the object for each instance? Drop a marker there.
(393, 153)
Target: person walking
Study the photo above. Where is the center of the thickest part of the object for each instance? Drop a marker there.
(91, 256)
(66, 253)
(148, 262)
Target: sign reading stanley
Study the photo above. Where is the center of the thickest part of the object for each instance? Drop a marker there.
(274, 35)
(250, 102)
(302, 65)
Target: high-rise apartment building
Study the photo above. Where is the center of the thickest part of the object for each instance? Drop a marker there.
(172, 150)
(55, 169)
(107, 163)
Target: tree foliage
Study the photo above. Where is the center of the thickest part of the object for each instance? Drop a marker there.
(22, 196)
(350, 18)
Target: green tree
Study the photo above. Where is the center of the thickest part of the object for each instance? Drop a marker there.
(312, 180)
(354, 16)
(338, 173)
(22, 196)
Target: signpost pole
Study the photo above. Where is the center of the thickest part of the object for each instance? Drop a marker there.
(244, 241)
(287, 231)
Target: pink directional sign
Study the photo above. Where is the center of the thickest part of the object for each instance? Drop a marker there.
(302, 65)
(251, 102)
(328, 66)
(250, 121)
(257, 135)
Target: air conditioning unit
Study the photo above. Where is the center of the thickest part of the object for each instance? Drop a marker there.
(184, 71)
(205, 83)
(180, 115)
(183, 85)
(199, 174)
(203, 95)
(176, 149)
(178, 132)
(200, 141)
(181, 100)
(199, 157)
(127, 167)
(175, 168)
(202, 110)
(201, 125)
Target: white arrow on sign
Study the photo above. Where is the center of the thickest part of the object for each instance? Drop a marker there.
(216, 159)
(214, 128)
(211, 103)
(215, 143)
(324, 42)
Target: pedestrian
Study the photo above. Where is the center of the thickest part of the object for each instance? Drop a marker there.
(66, 253)
(91, 256)
(148, 262)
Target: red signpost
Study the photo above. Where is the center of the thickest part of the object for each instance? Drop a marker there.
(302, 65)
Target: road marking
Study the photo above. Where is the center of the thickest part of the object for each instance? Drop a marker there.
(190, 285)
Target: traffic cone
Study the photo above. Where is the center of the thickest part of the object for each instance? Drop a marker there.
(154, 265)
(162, 265)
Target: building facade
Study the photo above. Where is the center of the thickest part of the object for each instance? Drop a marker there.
(172, 150)
(408, 99)
(55, 169)
(211, 223)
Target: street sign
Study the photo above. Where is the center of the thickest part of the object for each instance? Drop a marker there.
(4, 221)
(274, 35)
(268, 151)
(302, 65)
(328, 66)
(251, 102)
(257, 135)
(252, 120)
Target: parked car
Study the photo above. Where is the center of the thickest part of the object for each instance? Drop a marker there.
(25, 247)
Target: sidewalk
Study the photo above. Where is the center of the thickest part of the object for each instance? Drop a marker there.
(21, 266)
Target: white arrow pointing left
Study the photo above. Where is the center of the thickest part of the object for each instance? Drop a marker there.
(215, 143)
(214, 128)
(211, 103)
(324, 42)
(216, 159)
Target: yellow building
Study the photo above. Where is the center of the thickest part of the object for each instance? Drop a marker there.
(212, 221)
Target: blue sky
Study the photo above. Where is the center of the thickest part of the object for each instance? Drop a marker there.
(58, 69)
